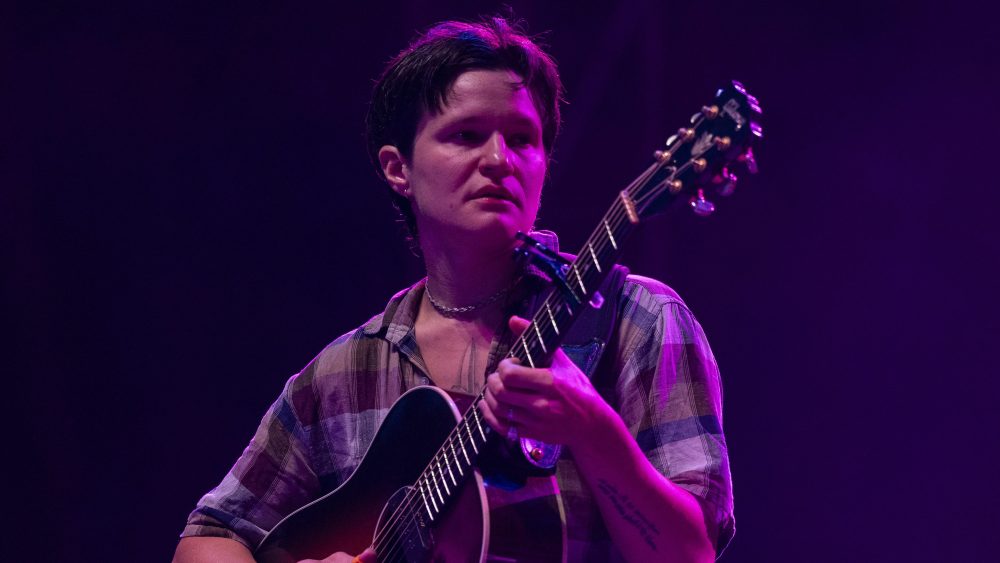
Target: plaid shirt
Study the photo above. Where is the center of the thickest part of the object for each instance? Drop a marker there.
(667, 391)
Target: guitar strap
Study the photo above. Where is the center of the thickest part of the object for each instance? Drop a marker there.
(594, 329)
(504, 465)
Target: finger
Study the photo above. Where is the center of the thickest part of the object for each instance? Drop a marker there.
(367, 556)
(506, 409)
(495, 390)
(514, 375)
(489, 414)
(500, 396)
(518, 325)
(490, 398)
(560, 360)
(517, 399)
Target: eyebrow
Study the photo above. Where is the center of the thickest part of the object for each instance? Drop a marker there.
(518, 118)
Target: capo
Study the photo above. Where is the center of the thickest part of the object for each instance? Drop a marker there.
(534, 252)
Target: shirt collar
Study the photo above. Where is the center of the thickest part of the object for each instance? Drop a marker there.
(395, 324)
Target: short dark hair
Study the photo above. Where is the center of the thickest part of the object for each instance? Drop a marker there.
(419, 79)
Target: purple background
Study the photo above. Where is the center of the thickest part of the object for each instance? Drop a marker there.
(188, 216)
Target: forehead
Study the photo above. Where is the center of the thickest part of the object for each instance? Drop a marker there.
(485, 94)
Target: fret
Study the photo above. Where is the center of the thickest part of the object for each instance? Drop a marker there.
(431, 495)
(472, 439)
(611, 237)
(461, 446)
(447, 465)
(541, 341)
(423, 496)
(458, 463)
(527, 352)
(437, 488)
(579, 279)
(597, 264)
(479, 425)
(552, 318)
(444, 480)
(430, 515)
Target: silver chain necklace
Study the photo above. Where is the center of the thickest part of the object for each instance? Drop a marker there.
(455, 311)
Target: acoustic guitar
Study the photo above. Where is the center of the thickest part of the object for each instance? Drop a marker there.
(419, 493)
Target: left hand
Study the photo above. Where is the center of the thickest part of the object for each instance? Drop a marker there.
(557, 404)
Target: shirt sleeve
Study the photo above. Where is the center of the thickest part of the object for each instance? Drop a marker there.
(670, 397)
(271, 478)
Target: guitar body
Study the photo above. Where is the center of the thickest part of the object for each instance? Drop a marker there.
(348, 518)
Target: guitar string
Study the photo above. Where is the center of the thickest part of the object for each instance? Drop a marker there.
(409, 500)
(404, 513)
(615, 216)
(389, 532)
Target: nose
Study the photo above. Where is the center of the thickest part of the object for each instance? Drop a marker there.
(495, 160)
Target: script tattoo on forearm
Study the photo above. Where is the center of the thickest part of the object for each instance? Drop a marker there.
(630, 513)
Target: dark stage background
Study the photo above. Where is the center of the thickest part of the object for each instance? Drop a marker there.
(188, 216)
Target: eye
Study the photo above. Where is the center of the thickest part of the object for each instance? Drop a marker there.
(467, 136)
(521, 140)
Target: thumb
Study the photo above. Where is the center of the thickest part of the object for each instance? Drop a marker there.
(367, 556)
(518, 325)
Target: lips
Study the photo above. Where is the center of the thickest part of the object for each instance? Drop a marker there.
(494, 192)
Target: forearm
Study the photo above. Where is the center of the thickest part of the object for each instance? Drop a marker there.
(649, 517)
(211, 550)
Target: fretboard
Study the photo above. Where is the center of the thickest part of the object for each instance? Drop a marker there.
(535, 347)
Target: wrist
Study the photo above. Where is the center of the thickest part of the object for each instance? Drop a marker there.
(600, 431)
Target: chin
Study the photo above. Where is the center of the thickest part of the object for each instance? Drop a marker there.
(498, 230)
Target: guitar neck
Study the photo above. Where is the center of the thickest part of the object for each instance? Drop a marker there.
(557, 313)
(584, 276)
(536, 346)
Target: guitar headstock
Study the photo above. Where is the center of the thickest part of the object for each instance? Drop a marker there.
(700, 160)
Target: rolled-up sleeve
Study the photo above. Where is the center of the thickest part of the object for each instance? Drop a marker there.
(271, 478)
(670, 397)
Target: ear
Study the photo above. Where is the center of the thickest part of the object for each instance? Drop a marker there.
(395, 169)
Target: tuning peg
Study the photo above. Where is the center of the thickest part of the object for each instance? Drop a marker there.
(726, 183)
(701, 206)
(663, 156)
(748, 160)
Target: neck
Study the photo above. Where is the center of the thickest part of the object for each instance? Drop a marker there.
(465, 275)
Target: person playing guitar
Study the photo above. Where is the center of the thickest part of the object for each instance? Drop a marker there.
(461, 127)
